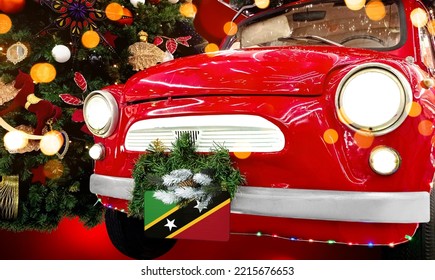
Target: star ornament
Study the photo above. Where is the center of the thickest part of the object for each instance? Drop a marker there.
(75, 15)
(38, 174)
(170, 224)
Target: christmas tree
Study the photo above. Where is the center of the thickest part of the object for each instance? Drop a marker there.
(70, 48)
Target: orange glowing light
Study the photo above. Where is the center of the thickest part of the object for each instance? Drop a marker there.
(431, 27)
(425, 127)
(415, 109)
(242, 155)
(188, 10)
(43, 73)
(330, 136)
(230, 28)
(375, 10)
(90, 39)
(114, 11)
(211, 48)
(5, 24)
(363, 140)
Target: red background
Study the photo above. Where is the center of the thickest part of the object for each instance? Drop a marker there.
(71, 241)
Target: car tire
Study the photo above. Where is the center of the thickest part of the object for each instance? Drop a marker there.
(127, 235)
(422, 245)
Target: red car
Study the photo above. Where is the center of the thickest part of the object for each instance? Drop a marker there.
(334, 104)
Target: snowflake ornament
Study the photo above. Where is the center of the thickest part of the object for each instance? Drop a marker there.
(75, 15)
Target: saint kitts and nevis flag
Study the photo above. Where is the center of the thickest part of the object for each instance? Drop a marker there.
(191, 221)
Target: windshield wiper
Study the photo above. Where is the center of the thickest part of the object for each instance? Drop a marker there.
(311, 37)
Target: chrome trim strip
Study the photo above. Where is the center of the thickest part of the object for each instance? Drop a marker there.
(116, 187)
(375, 207)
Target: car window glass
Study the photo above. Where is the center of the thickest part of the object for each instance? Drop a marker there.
(326, 23)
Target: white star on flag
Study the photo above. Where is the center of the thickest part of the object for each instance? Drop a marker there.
(170, 224)
(200, 206)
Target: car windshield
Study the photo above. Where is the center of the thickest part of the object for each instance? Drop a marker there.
(376, 26)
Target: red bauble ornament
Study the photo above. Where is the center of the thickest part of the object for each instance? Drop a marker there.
(154, 2)
(12, 6)
(127, 17)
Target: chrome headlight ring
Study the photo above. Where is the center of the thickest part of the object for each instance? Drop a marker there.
(373, 98)
(101, 113)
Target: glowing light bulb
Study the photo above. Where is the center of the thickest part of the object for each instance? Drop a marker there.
(355, 5)
(15, 140)
(262, 4)
(51, 142)
(419, 17)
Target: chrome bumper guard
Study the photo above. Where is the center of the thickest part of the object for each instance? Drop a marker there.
(349, 206)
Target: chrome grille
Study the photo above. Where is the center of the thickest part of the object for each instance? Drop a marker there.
(193, 134)
(237, 133)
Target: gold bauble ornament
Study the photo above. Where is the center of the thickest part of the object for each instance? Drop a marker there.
(53, 169)
(7, 92)
(144, 54)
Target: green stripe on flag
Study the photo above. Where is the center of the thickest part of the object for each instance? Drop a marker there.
(154, 208)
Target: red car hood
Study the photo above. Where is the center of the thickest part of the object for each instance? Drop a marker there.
(268, 71)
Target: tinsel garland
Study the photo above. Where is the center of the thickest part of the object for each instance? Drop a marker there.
(183, 174)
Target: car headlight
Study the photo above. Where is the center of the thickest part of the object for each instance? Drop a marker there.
(101, 113)
(373, 98)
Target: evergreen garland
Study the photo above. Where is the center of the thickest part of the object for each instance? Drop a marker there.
(154, 165)
(42, 206)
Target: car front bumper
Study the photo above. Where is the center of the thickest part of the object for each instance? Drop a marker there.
(347, 206)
